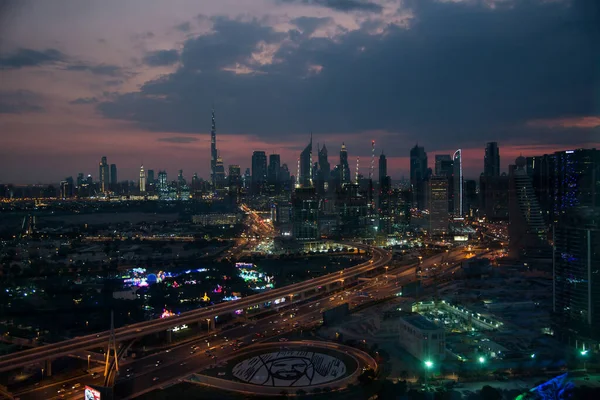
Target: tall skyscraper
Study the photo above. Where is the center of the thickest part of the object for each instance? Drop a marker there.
(306, 166)
(162, 181)
(576, 283)
(382, 168)
(150, 177)
(442, 163)
(274, 169)
(113, 176)
(305, 214)
(418, 175)
(438, 205)
(324, 172)
(213, 151)
(528, 235)
(219, 174)
(458, 183)
(491, 160)
(142, 180)
(344, 168)
(103, 175)
(235, 176)
(259, 171)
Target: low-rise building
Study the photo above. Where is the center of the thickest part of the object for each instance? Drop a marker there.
(422, 338)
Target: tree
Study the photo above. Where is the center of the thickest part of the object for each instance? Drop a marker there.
(489, 393)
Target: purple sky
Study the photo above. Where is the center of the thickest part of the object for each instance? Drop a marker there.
(134, 81)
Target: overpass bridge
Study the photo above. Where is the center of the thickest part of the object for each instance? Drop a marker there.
(291, 293)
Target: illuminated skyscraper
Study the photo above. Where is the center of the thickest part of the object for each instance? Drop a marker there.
(162, 181)
(219, 174)
(458, 183)
(142, 180)
(344, 168)
(306, 166)
(213, 151)
(103, 175)
(438, 205)
(576, 283)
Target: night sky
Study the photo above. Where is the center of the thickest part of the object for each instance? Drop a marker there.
(134, 81)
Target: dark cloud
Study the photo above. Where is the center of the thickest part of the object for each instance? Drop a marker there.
(161, 58)
(309, 24)
(106, 70)
(113, 82)
(179, 139)
(20, 102)
(30, 58)
(84, 100)
(184, 27)
(341, 5)
(462, 74)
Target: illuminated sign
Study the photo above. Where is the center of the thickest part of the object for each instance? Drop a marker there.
(91, 394)
(461, 238)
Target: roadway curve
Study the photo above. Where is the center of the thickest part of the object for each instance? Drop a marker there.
(63, 349)
(362, 359)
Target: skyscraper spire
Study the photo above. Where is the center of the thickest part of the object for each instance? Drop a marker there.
(213, 149)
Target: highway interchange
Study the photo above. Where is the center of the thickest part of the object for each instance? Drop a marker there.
(138, 376)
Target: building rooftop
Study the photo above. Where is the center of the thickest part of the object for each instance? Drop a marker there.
(420, 322)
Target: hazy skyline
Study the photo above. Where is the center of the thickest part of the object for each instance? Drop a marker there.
(134, 81)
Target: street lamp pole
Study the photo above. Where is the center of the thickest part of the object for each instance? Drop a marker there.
(208, 325)
(89, 355)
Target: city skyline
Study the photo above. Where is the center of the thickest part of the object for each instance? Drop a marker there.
(135, 94)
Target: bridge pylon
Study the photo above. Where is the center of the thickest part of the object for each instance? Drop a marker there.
(112, 346)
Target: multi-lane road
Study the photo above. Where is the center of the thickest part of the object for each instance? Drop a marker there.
(62, 349)
(138, 376)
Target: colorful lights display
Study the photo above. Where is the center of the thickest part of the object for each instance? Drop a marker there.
(141, 278)
(256, 280)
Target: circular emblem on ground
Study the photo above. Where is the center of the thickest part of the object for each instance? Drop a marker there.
(290, 368)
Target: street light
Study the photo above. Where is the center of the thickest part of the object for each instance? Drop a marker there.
(481, 360)
(89, 355)
(428, 365)
(208, 325)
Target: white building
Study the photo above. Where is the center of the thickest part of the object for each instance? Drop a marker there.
(422, 338)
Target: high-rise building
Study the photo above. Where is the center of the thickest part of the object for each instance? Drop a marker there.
(162, 181)
(324, 170)
(471, 204)
(213, 151)
(344, 168)
(219, 174)
(527, 231)
(142, 180)
(247, 179)
(493, 197)
(418, 176)
(103, 175)
(274, 169)
(438, 205)
(305, 178)
(491, 160)
(234, 178)
(576, 291)
(259, 172)
(458, 183)
(382, 167)
(442, 163)
(305, 214)
(113, 176)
